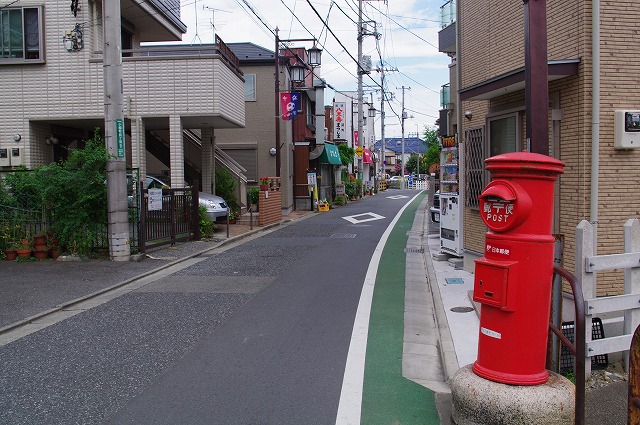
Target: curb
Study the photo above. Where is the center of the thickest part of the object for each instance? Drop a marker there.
(445, 340)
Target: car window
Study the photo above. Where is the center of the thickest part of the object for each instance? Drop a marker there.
(152, 183)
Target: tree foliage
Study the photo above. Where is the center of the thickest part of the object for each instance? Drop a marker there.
(346, 154)
(72, 192)
(432, 155)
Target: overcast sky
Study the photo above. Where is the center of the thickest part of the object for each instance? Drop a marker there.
(408, 41)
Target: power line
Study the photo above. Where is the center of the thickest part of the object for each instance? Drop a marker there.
(404, 28)
(360, 69)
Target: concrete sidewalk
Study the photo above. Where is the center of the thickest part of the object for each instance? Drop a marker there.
(458, 325)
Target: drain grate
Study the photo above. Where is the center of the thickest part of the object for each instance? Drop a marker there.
(462, 309)
(415, 250)
(343, 236)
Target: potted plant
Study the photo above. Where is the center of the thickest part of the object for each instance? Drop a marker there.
(24, 249)
(10, 252)
(254, 196)
(41, 252)
(233, 215)
(264, 183)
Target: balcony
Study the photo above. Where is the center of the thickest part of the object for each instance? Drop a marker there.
(447, 35)
(203, 84)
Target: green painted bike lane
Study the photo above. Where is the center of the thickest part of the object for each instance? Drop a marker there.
(389, 398)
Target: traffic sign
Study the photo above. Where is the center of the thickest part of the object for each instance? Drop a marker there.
(359, 151)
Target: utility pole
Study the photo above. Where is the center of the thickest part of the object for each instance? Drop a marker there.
(117, 205)
(277, 101)
(404, 117)
(360, 72)
(383, 99)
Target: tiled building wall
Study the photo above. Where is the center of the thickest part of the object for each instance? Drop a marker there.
(569, 37)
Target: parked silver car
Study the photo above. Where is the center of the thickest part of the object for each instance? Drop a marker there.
(216, 206)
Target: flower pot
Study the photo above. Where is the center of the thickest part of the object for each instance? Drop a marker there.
(23, 252)
(55, 253)
(39, 247)
(264, 187)
(40, 240)
(41, 254)
(10, 254)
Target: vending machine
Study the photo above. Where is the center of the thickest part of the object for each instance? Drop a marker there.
(450, 210)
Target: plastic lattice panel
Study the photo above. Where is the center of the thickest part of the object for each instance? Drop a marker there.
(566, 358)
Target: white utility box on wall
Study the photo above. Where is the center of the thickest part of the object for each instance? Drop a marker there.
(4, 158)
(16, 157)
(626, 134)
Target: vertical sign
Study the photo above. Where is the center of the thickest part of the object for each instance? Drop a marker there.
(339, 121)
(356, 142)
(120, 137)
(155, 199)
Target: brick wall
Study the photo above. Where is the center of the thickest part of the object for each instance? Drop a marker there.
(269, 203)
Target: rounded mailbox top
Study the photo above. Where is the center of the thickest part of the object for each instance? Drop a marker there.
(504, 205)
(525, 163)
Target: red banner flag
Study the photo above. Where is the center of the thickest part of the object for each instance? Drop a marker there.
(289, 103)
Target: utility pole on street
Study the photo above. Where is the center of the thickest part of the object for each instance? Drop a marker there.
(117, 205)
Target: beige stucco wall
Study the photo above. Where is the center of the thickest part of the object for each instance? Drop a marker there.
(493, 43)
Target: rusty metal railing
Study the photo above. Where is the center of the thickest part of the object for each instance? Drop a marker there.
(633, 410)
(577, 349)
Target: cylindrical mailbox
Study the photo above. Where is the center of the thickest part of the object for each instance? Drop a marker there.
(513, 279)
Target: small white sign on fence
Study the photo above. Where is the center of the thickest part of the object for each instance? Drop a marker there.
(155, 199)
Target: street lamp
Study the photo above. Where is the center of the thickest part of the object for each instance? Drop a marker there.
(372, 111)
(314, 55)
(297, 71)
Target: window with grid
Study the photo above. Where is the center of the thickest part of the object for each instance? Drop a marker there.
(20, 37)
(475, 155)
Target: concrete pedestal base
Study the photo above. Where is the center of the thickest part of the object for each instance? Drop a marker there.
(480, 401)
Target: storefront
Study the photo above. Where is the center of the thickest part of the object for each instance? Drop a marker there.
(328, 162)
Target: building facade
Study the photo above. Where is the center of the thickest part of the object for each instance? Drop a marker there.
(54, 92)
(491, 64)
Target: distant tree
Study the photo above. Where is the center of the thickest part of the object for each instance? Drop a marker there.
(432, 155)
(412, 164)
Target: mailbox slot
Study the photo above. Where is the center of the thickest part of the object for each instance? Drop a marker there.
(491, 284)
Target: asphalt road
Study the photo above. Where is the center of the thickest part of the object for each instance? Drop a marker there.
(255, 334)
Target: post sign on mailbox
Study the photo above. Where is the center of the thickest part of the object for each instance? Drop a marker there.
(512, 279)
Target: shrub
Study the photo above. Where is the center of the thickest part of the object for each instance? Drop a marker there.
(340, 200)
(253, 194)
(207, 226)
(350, 189)
(226, 187)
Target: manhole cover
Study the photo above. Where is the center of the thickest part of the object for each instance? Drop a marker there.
(462, 309)
(418, 250)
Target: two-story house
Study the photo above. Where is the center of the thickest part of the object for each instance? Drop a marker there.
(51, 71)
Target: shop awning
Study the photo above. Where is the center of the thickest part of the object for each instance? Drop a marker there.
(330, 155)
(367, 158)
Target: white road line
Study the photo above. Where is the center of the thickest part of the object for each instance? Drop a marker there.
(350, 403)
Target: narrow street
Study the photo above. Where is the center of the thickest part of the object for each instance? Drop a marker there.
(255, 332)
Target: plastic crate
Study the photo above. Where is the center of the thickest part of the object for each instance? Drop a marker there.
(566, 358)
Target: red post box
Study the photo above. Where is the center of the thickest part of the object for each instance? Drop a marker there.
(513, 278)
